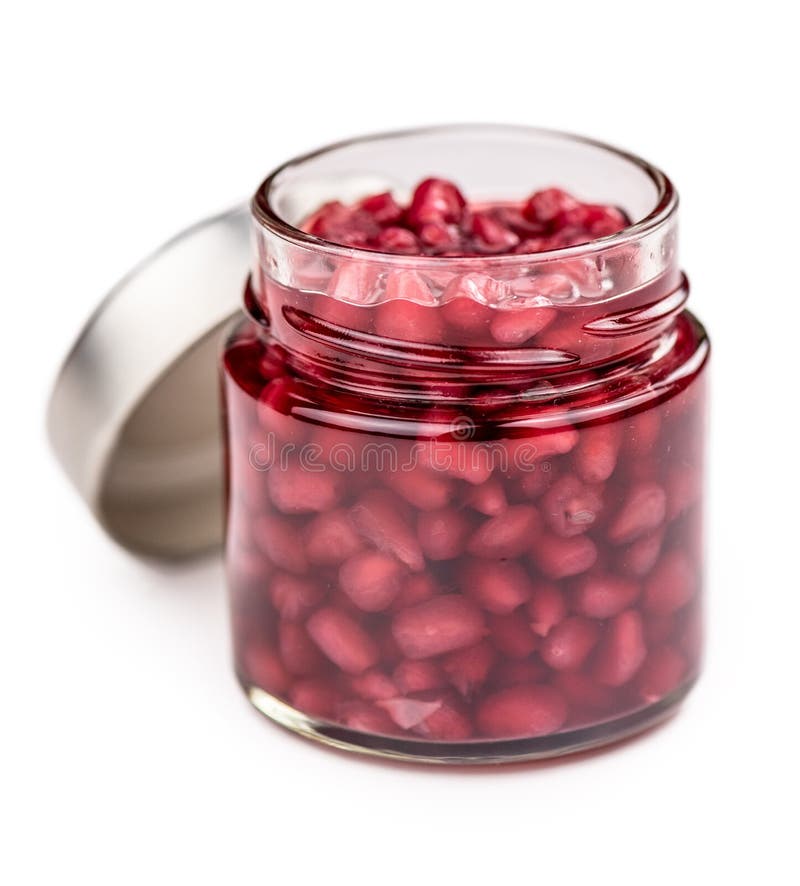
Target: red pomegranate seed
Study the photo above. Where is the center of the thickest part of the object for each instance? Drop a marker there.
(489, 498)
(508, 534)
(622, 650)
(439, 238)
(603, 596)
(642, 432)
(467, 669)
(298, 491)
(314, 696)
(293, 597)
(492, 234)
(353, 282)
(522, 712)
(363, 717)
(298, 653)
(383, 208)
(595, 456)
(582, 691)
(568, 644)
(371, 579)
(671, 584)
(331, 538)
(639, 557)
(512, 635)
(373, 685)
(435, 200)
(658, 629)
(263, 668)
(343, 640)
(424, 489)
(409, 712)
(417, 676)
(467, 320)
(684, 488)
(545, 206)
(546, 608)
(437, 626)
(496, 585)
(643, 510)
(449, 722)
(274, 411)
(560, 557)
(416, 589)
(376, 517)
(661, 673)
(397, 240)
(280, 541)
(569, 507)
(515, 326)
(443, 534)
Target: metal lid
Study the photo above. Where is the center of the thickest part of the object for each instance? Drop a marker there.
(134, 417)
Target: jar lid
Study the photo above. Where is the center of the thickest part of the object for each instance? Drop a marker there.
(134, 416)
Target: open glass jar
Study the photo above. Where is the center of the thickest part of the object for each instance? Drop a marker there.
(464, 492)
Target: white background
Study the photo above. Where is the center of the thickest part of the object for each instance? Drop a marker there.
(129, 755)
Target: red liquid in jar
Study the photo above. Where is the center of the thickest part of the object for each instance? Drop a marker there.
(408, 557)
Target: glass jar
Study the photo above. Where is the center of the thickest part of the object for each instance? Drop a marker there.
(464, 493)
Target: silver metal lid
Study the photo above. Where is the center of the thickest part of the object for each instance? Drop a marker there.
(134, 417)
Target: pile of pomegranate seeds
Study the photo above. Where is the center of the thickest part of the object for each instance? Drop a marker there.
(439, 221)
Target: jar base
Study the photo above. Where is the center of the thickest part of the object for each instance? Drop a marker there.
(475, 752)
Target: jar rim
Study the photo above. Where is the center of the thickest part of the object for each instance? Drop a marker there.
(666, 202)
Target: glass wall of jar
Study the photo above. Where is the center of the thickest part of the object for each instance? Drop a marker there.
(464, 491)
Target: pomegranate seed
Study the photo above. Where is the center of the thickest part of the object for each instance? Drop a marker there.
(417, 676)
(437, 626)
(489, 498)
(561, 557)
(371, 580)
(546, 608)
(671, 584)
(331, 539)
(416, 589)
(435, 200)
(661, 673)
(568, 644)
(298, 491)
(583, 692)
(569, 507)
(439, 238)
(376, 517)
(293, 597)
(373, 685)
(545, 206)
(643, 510)
(492, 234)
(449, 722)
(343, 640)
(274, 408)
(642, 432)
(443, 534)
(353, 282)
(362, 717)
(518, 325)
(522, 712)
(406, 321)
(383, 208)
(467, 669)
(300, 656)
(263, 668)
(281, 543)
(425, 490)
(508, 534)
(595, 456)
(397, 240)
(512, 635)
(622, 649)
(639, 557)
(603, 596)
(316, 697)
(684, 488)
(498, 586)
